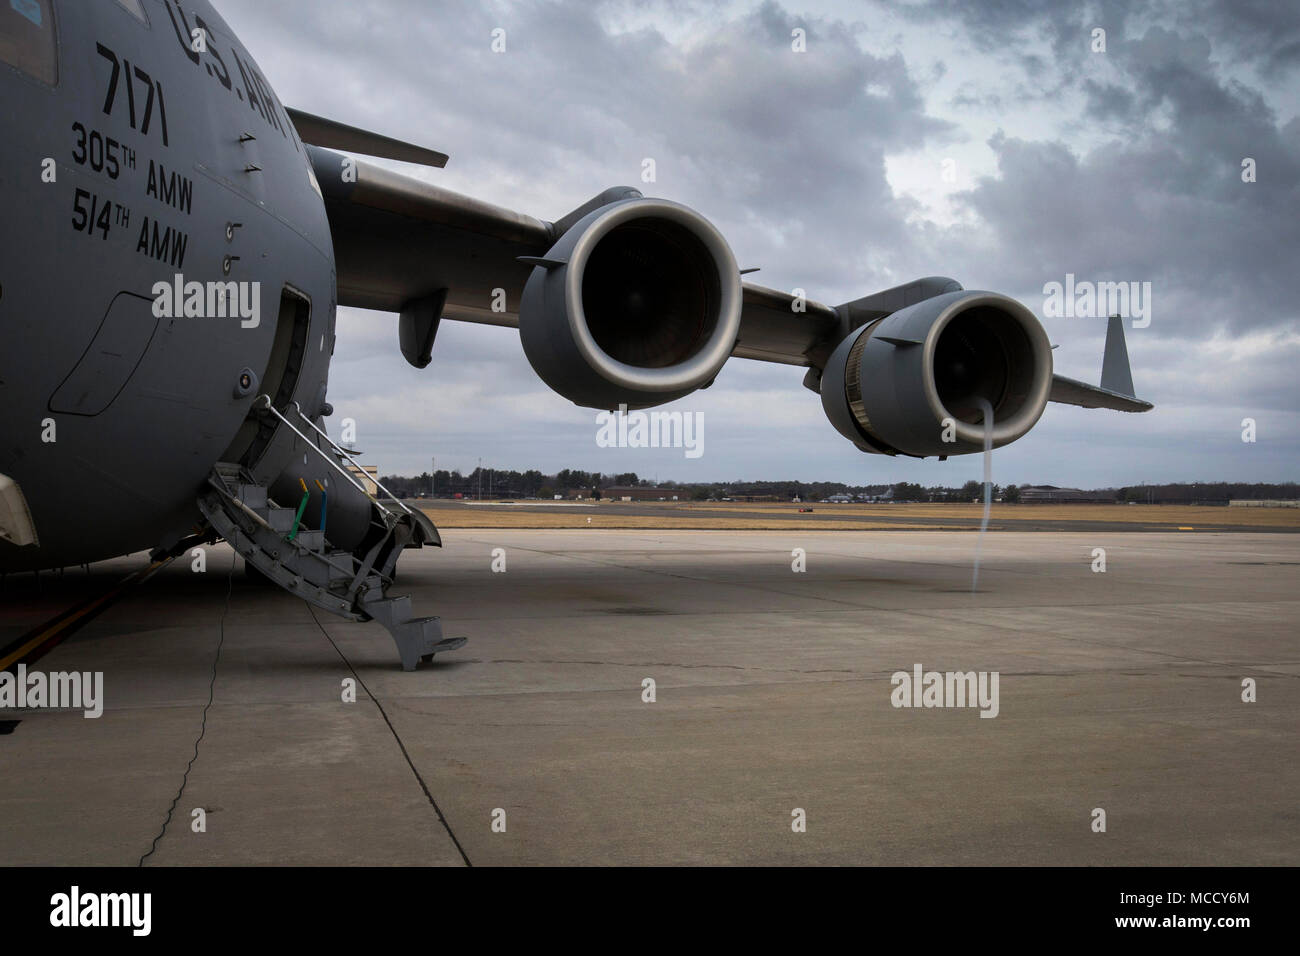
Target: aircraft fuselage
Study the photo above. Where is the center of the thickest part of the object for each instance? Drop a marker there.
(155, 155)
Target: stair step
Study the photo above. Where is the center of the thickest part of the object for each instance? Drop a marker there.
(342, 566)
(328, 578)
(392, 612)
(280, 519)
(252, 495)
(420, 638)
(311, 540)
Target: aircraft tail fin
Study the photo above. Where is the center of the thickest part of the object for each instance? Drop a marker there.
(1116, 388)
(1116, 374)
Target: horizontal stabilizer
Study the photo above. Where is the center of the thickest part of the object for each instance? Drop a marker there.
(1068, 391)
(1116, 389)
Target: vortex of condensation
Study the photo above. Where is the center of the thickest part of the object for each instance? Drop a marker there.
(988, 486)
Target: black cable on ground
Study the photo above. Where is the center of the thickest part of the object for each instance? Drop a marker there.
(203, 728)
(393, 730)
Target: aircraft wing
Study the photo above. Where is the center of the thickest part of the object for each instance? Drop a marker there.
(405, 245)
(399, 240)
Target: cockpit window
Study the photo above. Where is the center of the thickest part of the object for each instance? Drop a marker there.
(135, 9)
(27, 38)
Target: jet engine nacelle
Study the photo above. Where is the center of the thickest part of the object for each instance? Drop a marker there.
(911, 383)
(638, 303)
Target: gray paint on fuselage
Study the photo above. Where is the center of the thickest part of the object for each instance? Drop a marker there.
(125, 477)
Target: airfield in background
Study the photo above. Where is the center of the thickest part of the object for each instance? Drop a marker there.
(781, 516)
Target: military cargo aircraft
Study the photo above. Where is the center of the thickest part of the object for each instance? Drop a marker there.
(177, 241)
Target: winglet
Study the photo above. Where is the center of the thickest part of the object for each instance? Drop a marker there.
(331, 134)
(1116, 374)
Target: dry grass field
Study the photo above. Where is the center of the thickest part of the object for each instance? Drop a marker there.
(737, 515)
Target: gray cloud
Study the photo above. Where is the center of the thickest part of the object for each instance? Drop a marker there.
(1124, 168)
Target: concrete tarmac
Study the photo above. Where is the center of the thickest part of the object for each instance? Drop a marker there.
(1120, 691)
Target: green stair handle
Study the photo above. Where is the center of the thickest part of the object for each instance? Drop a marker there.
(302, 506)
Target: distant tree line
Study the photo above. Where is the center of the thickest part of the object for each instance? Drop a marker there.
(508, 483)
(1208, 492)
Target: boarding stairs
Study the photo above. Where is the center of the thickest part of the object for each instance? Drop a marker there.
(352, 585)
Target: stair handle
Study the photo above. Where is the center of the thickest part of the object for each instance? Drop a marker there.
(344, 453)
(311, 444)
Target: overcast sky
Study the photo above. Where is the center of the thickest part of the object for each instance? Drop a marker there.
(826, 169)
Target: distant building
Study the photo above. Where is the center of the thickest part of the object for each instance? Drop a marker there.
(1262, 503)
(367, 476)
(640, 493)
(840, 499)
(1050, 494)
(759, 494)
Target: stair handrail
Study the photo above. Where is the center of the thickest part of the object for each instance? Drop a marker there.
(343, 451)
(333, 464)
